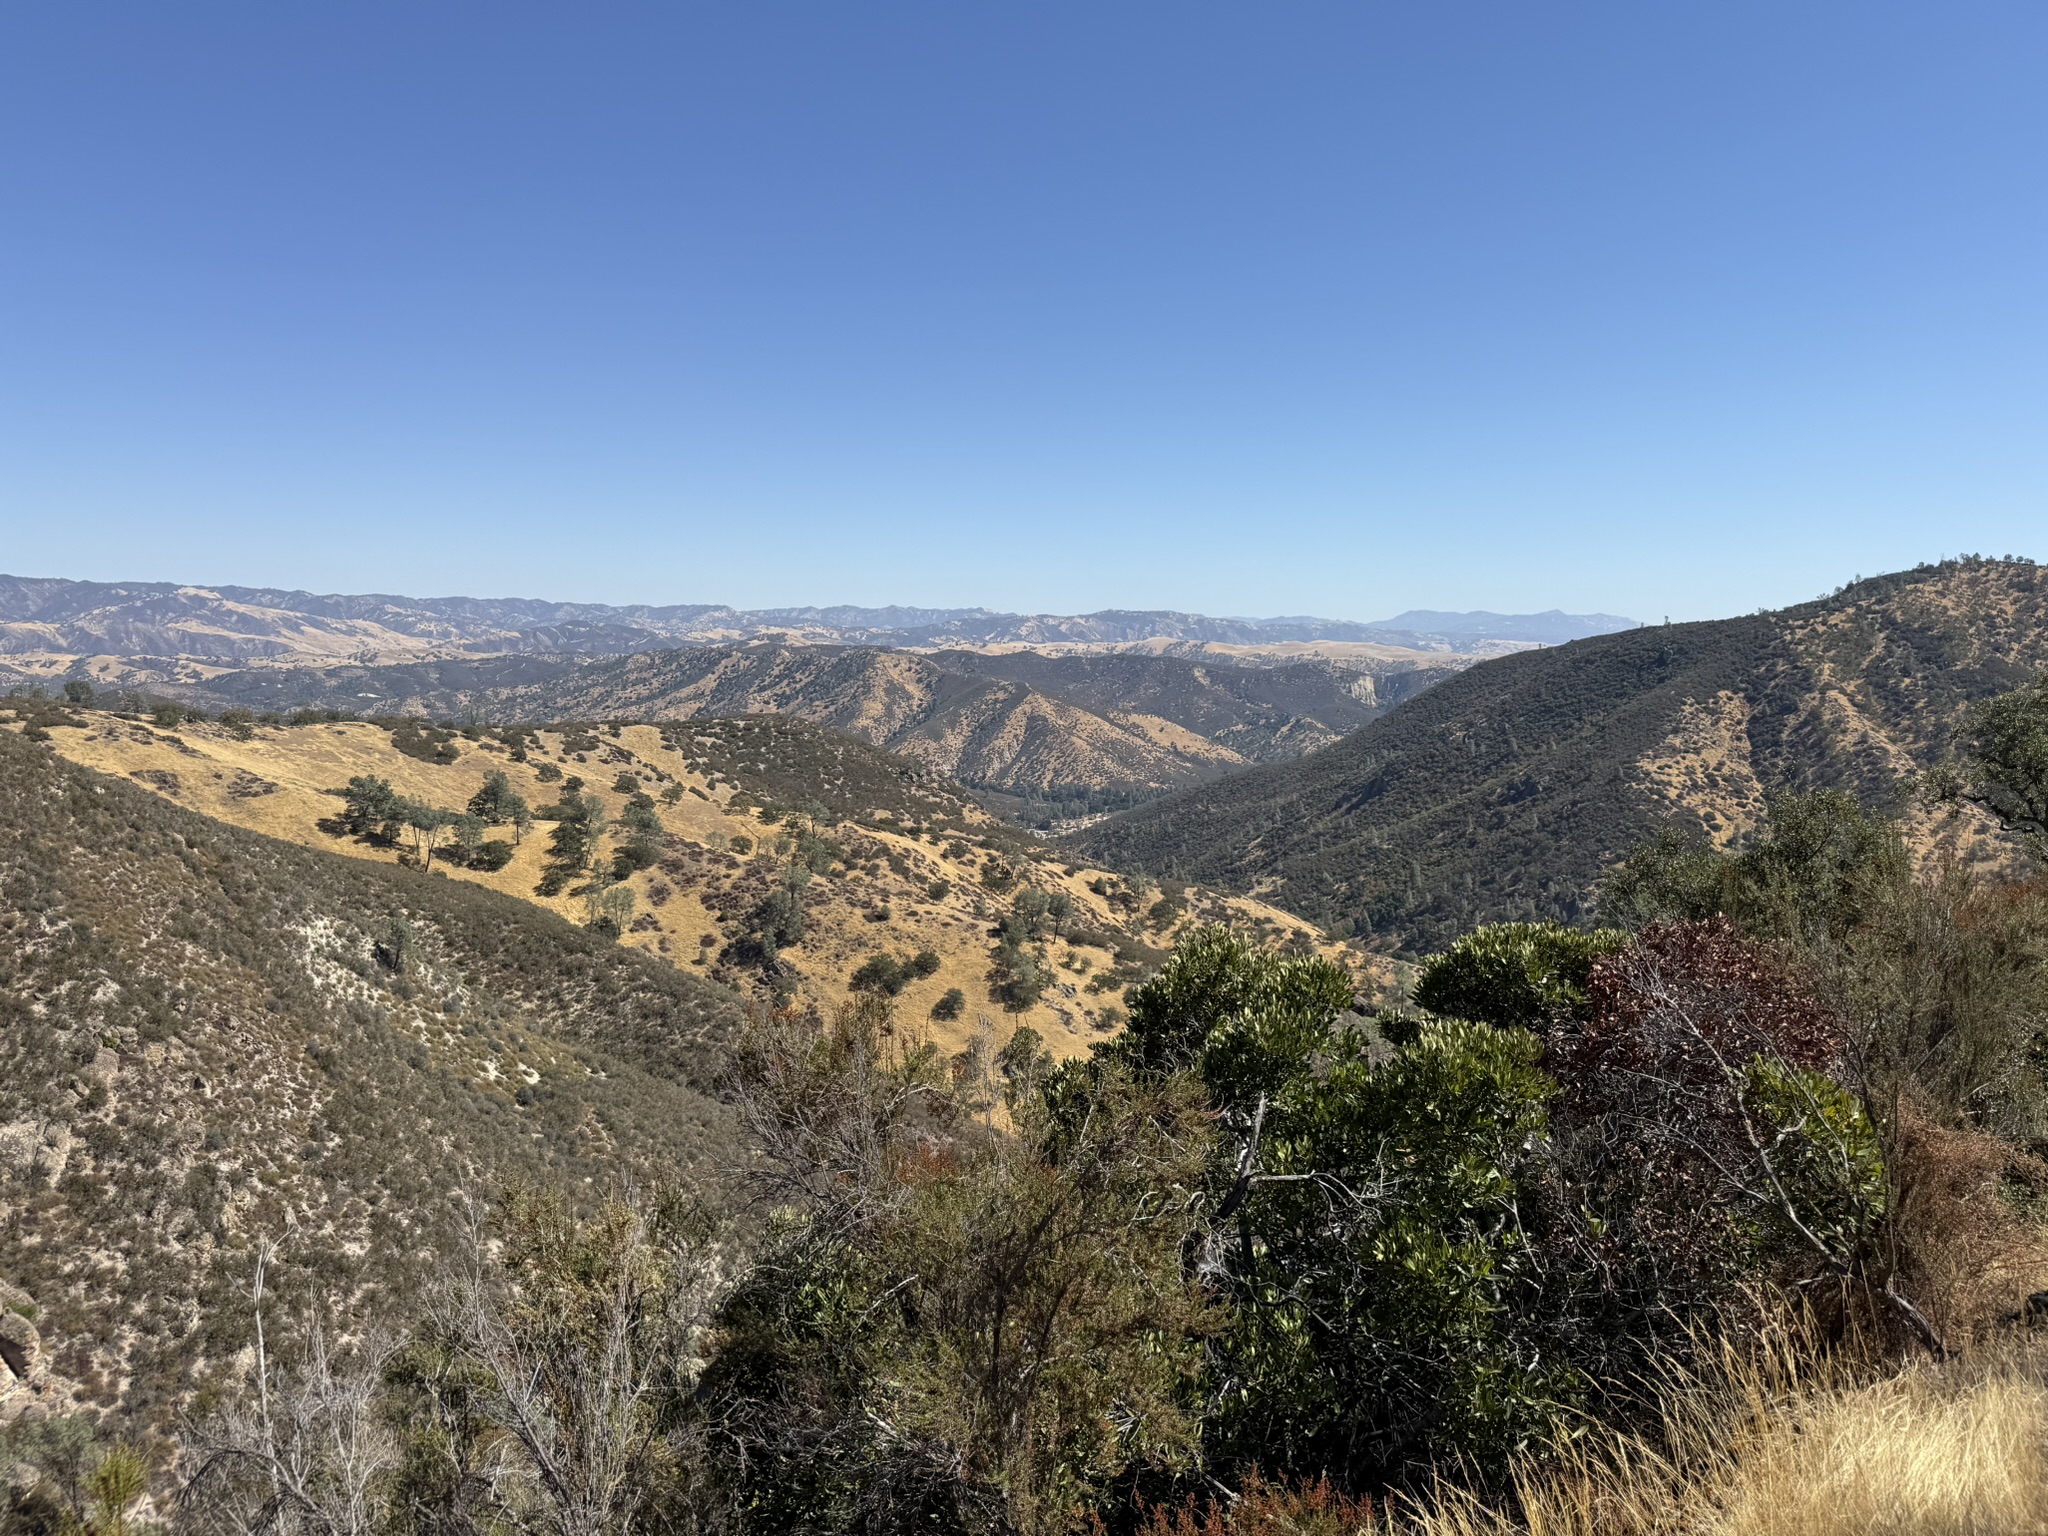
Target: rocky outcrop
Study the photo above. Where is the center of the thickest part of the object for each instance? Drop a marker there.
(24, 1374)
(20, 1345)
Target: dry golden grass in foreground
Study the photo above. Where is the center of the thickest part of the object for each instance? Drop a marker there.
(1779, 1448)
(1769, 1447)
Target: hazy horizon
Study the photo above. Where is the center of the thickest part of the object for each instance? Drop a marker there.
(1390, 621)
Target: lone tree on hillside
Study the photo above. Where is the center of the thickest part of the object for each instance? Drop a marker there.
(498, 802)
(644, 837)
(2008, 742)
(370, 807)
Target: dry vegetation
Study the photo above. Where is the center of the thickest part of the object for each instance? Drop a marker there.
(1776, 1445)
(1726, 1217)
(913, 864)
(211, 1036)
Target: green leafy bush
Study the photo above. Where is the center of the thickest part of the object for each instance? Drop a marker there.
(1016, 978)
(1367, 1232)
(1513, 975)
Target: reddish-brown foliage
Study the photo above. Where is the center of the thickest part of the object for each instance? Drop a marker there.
(1682, 1004)
(1265, 1509)
(1650, 1119)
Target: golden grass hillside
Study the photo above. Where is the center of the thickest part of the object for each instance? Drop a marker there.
(988, 732)
(1100, 729)
(897, 890)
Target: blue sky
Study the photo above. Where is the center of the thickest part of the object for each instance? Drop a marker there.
(1284, 308)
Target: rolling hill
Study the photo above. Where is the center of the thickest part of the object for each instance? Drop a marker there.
(1507, 790)
(905, 861)
(1061, 734)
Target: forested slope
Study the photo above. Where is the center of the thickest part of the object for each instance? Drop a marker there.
(1505, 791)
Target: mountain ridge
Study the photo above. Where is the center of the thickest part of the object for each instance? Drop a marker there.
(1507, 790)
(54, 617)
(1091, 729)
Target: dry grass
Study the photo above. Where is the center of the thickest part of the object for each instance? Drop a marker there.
(1971, 1257)
(1777, 1447)
(1915, 1453)
(199, 766)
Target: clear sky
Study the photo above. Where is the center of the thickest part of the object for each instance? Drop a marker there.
(1249, 308)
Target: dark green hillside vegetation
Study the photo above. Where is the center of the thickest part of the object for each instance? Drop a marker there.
(444, 690)
(1505, 791)
(1501, 793)
(208, 1037)
(790, 764)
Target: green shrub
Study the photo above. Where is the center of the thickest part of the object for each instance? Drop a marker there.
(1371, 1248)
(429, 743)
(1017, 978)
(493, 854)
(879, 973)
(1513, 975)
(1825, 1153)
(885, 975)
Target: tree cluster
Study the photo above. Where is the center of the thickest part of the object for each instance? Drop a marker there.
(888, 974)
(372, 810)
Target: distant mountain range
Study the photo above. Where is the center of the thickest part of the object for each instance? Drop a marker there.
(1066, 714)
(144, 625)
(1551, 627)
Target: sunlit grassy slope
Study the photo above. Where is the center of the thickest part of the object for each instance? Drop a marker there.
(895, 889)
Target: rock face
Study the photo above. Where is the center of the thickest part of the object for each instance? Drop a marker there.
(24, 1375)
(20, 1345)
